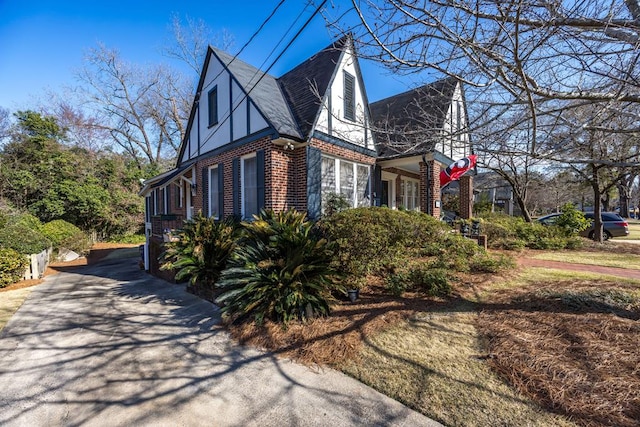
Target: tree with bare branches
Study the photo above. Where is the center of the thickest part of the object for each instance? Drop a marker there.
(142, 108)
(525, 64)
(145, 108)
(590, 144)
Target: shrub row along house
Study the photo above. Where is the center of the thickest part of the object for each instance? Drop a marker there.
(255, 141)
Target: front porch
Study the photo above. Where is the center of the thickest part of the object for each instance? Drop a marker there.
(413, 183)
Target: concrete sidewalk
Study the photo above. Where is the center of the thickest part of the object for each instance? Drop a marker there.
(110, 345)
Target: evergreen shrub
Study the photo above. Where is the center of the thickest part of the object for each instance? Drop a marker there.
(489, 263)
(12, 266)
(514, 233)
(423, 278)
(63, 234)
(281, 271)
(370, 240)
(22, 234)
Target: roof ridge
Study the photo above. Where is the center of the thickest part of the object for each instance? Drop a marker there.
(336, 45)
(416, 89)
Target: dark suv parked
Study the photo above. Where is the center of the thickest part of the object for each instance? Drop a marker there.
(613, 224)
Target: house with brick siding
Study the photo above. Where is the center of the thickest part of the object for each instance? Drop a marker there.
(255, 141)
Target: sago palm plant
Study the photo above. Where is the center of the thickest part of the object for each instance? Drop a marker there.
(281, 271)
(202, 250)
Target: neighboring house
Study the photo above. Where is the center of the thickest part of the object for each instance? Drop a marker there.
(254, 141)
(417, 132)
(491, 187)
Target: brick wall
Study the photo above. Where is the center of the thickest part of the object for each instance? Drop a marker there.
(156, 248)
(466, 196)
(344, 153)
(428, 201)
(226, 159)
(298, 179)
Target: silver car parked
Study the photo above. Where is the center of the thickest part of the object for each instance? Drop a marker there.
(612, 223)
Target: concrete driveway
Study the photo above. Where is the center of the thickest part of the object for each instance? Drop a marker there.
(109, 345)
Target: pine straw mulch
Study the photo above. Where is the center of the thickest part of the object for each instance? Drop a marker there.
(618, 246)
(339, 337)
(571, 346)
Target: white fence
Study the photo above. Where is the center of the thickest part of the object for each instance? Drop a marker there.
(37, 264)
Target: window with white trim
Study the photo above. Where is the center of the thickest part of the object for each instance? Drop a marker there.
(249, 186)
(347, 178)
(214, 192)
(180, 185)
(148, 201)
(410, 194)
(154, 202)
(165, 200)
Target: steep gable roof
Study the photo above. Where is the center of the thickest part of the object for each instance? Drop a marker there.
(264, 91)
(409, 123)
(305, 86)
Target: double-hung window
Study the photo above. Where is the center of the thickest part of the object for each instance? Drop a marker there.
(347, 178)
(154, 202)
(180, 194)
(148, 201)
(410, 194)
(165, 200)
(214, 192)
(249, 186)
(347, 181)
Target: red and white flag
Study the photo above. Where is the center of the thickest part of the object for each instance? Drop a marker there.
(455, 170)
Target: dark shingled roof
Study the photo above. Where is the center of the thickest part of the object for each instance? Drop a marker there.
(409, 123)
(266, 94)
(306, 85)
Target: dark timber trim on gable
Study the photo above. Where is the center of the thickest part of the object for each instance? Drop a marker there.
(341, 143)
(246, 95)
(231, 109)
(235, 144)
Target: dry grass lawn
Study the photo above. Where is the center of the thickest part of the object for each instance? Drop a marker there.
(532, 347)
(10, 302)
(619, 260)
(437, 365)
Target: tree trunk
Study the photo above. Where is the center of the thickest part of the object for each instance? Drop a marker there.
(597, 207)
(623, 195)
(523, 208)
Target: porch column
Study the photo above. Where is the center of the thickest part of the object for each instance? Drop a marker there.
(430, 187)
(466, 196)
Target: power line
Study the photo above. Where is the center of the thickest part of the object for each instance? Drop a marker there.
(246, 95)
(253, 36)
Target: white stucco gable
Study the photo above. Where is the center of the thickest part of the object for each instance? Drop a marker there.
(222, 112)
(455, 142)
(334, 118)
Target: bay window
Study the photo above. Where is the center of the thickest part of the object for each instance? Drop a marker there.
(347, 178)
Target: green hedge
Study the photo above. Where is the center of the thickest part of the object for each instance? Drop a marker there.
(12, 266)
(22, 234)
(63, 234)
(514, 233)
(372, 240)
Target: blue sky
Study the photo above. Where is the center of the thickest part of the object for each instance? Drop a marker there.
(42, 42)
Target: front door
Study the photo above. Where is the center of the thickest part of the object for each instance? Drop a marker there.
(384, 197)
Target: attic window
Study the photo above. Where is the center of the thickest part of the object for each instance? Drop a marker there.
(349, 97)
(212, 98)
